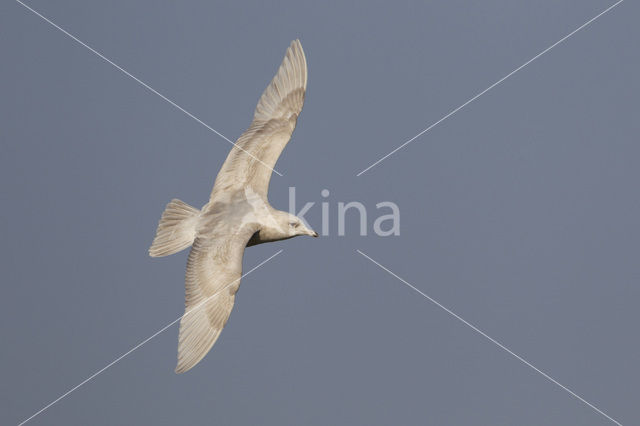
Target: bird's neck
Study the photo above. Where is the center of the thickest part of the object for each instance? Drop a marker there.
(271, 229)
(267, 235)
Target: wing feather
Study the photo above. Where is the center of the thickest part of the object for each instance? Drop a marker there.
(213, 275)
(251, 161)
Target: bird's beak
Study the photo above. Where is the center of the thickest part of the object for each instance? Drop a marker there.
(312, 233)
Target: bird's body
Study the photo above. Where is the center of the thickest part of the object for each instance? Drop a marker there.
(237, 215)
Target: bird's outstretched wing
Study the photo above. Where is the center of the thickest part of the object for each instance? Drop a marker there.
(213, 275)
(251, 161)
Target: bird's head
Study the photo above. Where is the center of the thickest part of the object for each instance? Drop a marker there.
(295, 226)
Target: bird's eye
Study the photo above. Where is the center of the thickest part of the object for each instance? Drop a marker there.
(293, 224)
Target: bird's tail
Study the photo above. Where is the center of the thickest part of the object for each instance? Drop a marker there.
(176, 229)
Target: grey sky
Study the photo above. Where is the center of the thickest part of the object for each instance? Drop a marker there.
(519, 213)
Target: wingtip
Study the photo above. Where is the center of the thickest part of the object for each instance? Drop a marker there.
(182, 367)
(296, 49)
(296, 44)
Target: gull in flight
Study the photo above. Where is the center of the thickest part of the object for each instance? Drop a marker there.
(238, 214)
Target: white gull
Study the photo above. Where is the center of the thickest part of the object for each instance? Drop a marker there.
(237, 215)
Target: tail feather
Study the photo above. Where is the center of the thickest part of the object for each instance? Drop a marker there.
(176, 229)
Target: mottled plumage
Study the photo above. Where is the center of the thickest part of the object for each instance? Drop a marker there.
(238, 214)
